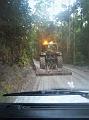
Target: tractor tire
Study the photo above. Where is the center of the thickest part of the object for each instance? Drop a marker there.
(42, 63)
(59, 62)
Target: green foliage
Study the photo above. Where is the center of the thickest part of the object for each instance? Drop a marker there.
(22, 32)
(75, 31)
(79, 59)
(13, 29)
(24, 59)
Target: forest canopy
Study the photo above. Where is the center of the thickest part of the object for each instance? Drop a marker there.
(24, 24)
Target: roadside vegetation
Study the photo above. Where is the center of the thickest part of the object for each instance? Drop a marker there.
(23, 29)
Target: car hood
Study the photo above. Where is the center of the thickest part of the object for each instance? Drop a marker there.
(44, 99)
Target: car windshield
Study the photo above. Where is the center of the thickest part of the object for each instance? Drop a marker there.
(44, 45)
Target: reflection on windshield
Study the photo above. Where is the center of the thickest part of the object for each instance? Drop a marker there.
(44, 45)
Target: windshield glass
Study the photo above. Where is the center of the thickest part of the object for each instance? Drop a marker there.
(44, 45)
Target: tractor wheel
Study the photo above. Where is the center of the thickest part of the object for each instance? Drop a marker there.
(42, 63)
(59, 62)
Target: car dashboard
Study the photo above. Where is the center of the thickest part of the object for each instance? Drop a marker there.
(24, 110)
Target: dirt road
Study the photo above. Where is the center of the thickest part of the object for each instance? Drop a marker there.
(78, 80)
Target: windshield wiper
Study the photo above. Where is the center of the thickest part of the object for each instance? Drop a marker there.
(51, 92)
